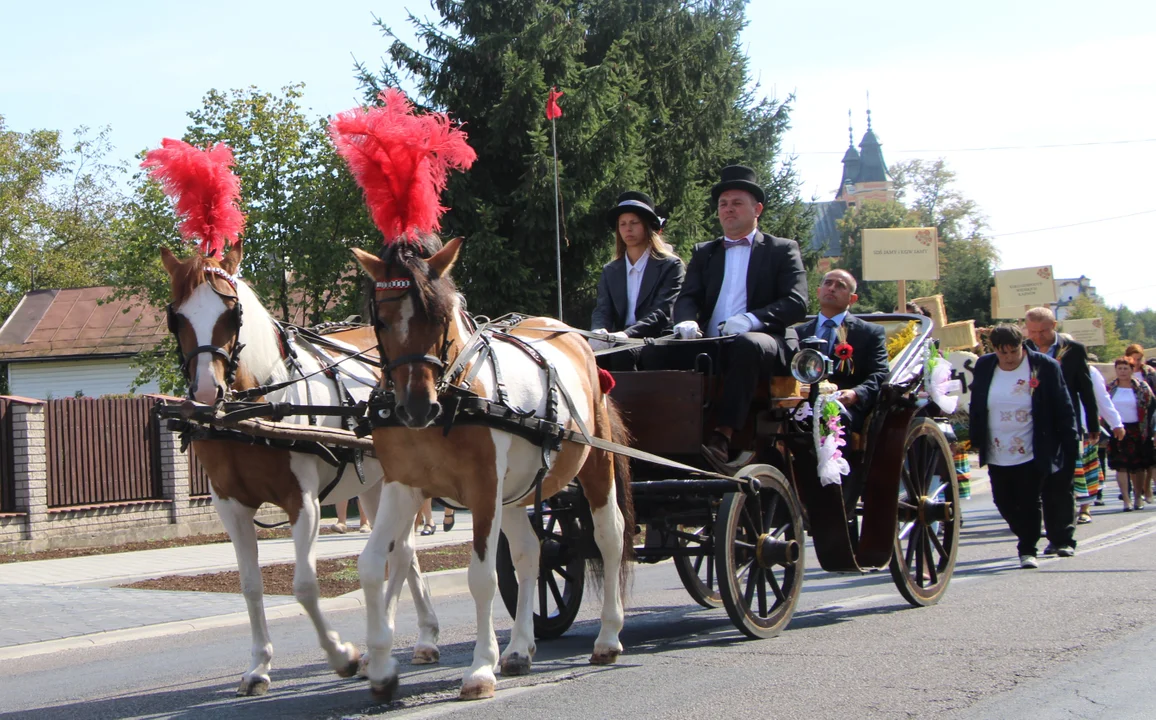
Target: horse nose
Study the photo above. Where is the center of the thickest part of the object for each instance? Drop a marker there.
(435, 409)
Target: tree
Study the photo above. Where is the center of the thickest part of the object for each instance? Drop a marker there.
(57, 206)
(303, 213)
(1084, 307)
(967, 258)
(656, 98)
(869, 214)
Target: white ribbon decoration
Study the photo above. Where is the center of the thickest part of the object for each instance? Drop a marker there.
(832, 465)
(938, 383)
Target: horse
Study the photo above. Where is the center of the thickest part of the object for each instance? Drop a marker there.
(421, 330)
(223, 354)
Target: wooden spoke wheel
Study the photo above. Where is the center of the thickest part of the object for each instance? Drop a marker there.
(929, 520)
(698, 571)
(759, 553)
(561, 576)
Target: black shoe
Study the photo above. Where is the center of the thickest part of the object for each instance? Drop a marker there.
(1066, 551)
(1049, 550)
(448, 520)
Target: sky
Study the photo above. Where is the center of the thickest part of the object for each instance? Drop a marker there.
(949, 80)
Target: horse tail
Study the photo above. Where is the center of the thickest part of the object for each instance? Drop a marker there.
(618, 433)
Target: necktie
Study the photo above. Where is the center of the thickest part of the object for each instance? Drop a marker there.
(829, 333)
(728, 243)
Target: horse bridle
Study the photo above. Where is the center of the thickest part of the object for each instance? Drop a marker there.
(439, 361)
(232, 358)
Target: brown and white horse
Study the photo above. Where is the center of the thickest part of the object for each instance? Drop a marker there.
(211, 330)
(419, 320)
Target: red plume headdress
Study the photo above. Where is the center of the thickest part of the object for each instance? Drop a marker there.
(206, 192)
(401, 161)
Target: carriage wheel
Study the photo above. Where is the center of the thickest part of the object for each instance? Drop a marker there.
(561, 576)
(759, 553)
(929, 520)
(698, 571)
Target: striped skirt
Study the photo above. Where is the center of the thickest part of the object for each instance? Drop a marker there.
(1088, 473)
(962, 472)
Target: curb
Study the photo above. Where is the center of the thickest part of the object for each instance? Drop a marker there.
(445, 582)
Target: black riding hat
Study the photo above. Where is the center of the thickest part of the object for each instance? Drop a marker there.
(639, 203)
(737, 177)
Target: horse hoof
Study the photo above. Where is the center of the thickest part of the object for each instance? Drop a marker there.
(477, 690)
(353, 666)
(383, 692)
(605, 657)
(253, 687)
(426, 655)
(516, 664)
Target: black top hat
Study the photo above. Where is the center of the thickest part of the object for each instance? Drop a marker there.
(737, 177)
(639, 203)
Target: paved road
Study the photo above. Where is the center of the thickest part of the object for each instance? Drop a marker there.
(1073, 639)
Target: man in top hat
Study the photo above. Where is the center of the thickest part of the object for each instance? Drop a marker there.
(747, 284)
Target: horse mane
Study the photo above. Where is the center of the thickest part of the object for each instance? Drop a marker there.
(190, 276)
(437, 296)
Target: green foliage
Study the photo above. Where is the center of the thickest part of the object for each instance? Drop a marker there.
(303, 213)
(656, 98)
(1136, 326)
(57, 206)
(1084, 307)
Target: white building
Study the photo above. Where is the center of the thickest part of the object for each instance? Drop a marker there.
(77, 341)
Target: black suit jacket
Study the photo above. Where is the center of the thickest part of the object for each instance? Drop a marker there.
(661, 281)
(776, 283)
(1073, 359)
(869, 355)
(1054, 438)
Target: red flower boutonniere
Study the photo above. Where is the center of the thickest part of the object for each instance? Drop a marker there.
(843, 352)
(1034, 382)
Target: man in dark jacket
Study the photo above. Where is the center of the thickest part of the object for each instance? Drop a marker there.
(1058, 492)
(1024, 428)
(859, 376)
(747, 284)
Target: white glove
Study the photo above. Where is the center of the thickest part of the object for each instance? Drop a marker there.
(687, 330)
(737, 324)
(618, 336)
(596, 344)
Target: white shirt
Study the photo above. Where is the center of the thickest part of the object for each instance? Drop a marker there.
(1009, 416)
(634, 285)
(1125, 402)
(1103, 401)
(732, 298)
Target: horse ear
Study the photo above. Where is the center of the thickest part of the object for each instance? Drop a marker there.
(372, 264)
(232, 259)
(443, 260)
(170, 261)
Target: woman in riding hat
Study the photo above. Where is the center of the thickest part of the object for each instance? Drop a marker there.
(637, 289)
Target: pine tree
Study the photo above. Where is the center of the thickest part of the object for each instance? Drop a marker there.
(657, 98)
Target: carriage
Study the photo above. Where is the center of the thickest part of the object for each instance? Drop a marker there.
(738, 542)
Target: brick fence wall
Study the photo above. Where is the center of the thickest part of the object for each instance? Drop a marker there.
(34, 526)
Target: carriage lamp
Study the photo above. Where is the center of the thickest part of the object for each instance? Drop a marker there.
(810, 366)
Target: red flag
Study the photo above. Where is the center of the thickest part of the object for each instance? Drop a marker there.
(552, 109)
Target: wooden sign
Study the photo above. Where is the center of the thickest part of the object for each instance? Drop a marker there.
(1001, 312)
(1032, 286)
(1089, 331)
(900, 254)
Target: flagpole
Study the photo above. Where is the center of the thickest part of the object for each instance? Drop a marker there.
(557, 215)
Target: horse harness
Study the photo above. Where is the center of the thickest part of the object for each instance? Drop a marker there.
(290, 336)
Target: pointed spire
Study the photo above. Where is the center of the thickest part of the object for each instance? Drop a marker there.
(850, 130)
(868, 111)
(872, 167)
(850, 161)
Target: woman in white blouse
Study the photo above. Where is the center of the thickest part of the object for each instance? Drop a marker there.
(1131, 455)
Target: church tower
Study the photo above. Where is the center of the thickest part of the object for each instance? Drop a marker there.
(865, 175)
